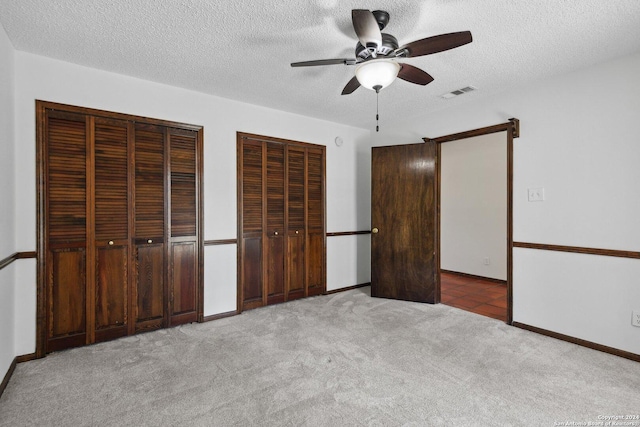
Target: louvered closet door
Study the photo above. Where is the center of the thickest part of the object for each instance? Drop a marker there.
(111, 184)
(281, 220)
(275, 229)
(296, 230)
(250, 156)
(183, 271)
(65, 152)
(316, 249)
(149, 226)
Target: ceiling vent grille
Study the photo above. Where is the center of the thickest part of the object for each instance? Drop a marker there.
(457, 92)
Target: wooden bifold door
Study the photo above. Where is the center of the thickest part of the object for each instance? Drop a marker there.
(119, 236)
(281, 220)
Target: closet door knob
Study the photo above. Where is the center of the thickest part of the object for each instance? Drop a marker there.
(297, 231)
(374, 230)
(275, 233)
(110, 242)
(149, 241)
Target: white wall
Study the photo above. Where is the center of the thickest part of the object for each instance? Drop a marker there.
(345, 252)
(7, 192)
(42, 78)
(473, 206)
(585, 296)
(579, 141)
(349, 257)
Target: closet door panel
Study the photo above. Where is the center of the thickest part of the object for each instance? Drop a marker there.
(183, 183)
(111, 186)
(149, 285)
(295, 222)
(66, 230)
(275, 269)
(316, 261)
(296, 263)
(149, 226)
(251, 269)
(184, 248)
(316, 247)
(295, 189)
(66, 187)
(111, 180)
(149, 182)
(275, 230)
(315, 190)
(111, 291)
(251, 155)
(66, 298)
(275, 188)
(183, 282)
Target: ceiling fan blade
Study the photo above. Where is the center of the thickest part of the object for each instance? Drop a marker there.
(345, 61)
(414, 75)
(435, 44)
(351, 86)
(366, 27)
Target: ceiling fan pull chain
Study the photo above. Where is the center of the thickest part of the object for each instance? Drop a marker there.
(377, 89)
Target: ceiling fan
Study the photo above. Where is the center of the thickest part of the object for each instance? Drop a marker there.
(377, 53)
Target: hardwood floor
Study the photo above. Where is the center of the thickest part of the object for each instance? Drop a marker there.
(477, 295)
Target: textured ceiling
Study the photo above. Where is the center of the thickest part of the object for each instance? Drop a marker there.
(242, 49)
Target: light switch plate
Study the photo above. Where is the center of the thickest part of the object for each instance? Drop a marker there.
(635, 319)
(535, 194)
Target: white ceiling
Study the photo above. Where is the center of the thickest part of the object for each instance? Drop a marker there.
(242, 49)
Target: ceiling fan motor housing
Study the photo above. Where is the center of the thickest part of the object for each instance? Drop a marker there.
(389, 44)
(382, 18)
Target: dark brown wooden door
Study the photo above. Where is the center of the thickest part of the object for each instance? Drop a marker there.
(250, 274)
(296, 229)
(183, 270)
(119, 225)
(65, 173)
(403, 220)
(315, 246)
(275, 229)
(281, 220)
(149, 238)
(111, 222)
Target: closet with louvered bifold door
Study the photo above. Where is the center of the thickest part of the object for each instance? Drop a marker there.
(281, 220)
(120, 230)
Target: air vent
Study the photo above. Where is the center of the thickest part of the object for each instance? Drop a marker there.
(457, 92)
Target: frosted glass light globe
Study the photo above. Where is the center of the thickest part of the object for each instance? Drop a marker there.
(377, 72)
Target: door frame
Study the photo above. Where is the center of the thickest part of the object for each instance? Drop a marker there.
(512, 129)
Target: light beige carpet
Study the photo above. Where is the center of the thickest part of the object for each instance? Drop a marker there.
(339, 360)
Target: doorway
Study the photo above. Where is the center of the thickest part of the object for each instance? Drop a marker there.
(473, 224)
(406, 216)
(474, 286)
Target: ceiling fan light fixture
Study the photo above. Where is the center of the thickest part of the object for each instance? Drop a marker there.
(377, 73)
